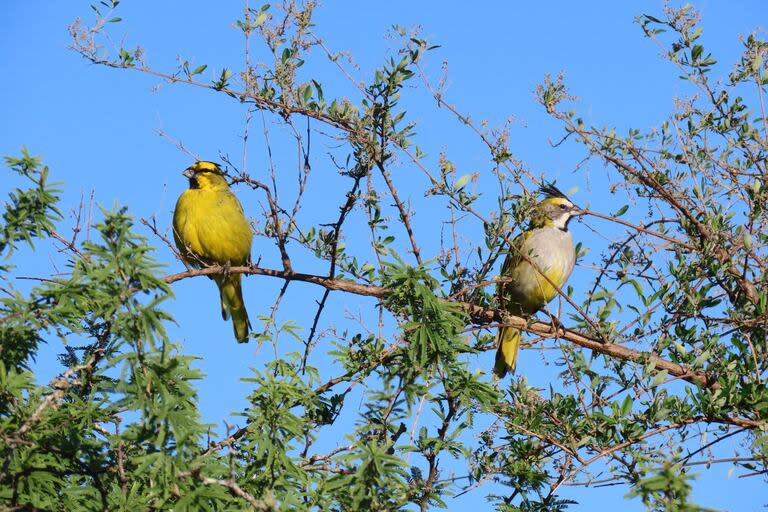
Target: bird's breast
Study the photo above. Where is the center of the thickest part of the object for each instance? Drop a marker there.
(551, 251)
(209, 225)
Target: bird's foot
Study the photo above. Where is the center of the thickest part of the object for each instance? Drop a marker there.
(225, 269)
(557, 325)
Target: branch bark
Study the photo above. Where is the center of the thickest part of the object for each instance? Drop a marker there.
(479, 316)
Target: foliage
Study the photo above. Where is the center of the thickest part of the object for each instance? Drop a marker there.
(663, 359)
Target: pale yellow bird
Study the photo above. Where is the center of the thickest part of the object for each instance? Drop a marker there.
(549, 245)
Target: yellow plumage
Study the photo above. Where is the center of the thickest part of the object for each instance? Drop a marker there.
(549, 246)
(506, 354)
(210, 228)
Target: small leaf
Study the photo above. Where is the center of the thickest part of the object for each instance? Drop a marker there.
(659, 378)
(638, 288)
(319, 89)
(696, 52)
(461, 182)
(703, 358)
(626, 405)
(697, 33)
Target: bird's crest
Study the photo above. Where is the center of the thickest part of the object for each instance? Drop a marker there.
(550, 190)
(205, 166)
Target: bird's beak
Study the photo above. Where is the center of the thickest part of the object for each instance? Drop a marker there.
(577, 212)
(188, 173)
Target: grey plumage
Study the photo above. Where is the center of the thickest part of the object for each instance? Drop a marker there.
(551, 250)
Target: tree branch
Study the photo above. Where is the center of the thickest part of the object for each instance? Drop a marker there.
(479, 316)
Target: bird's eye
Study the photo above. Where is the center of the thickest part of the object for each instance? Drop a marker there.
(563, 207)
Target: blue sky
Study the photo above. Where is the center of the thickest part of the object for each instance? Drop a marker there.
(95, 127)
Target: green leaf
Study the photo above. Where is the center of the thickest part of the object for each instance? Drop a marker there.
(621, 211)
(459, 184)
(696, 52)
(697, 33)
(626, 405)
(306, 93)
(659, 378)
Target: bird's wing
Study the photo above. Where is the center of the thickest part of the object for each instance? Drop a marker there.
(232, 199)
(512, 260)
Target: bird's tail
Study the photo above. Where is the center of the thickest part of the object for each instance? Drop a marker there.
(506, 355)
(232, 305)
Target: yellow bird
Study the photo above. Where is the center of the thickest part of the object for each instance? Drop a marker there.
(549, 245)
(210, 228)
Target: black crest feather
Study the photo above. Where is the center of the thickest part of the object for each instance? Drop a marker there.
(550, 190)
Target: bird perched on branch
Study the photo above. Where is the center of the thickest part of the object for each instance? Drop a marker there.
(545, 249)
(210, 228)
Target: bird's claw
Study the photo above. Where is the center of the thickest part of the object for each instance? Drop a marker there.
(557, 325)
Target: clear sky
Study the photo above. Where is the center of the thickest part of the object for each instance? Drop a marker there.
(96, 128)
